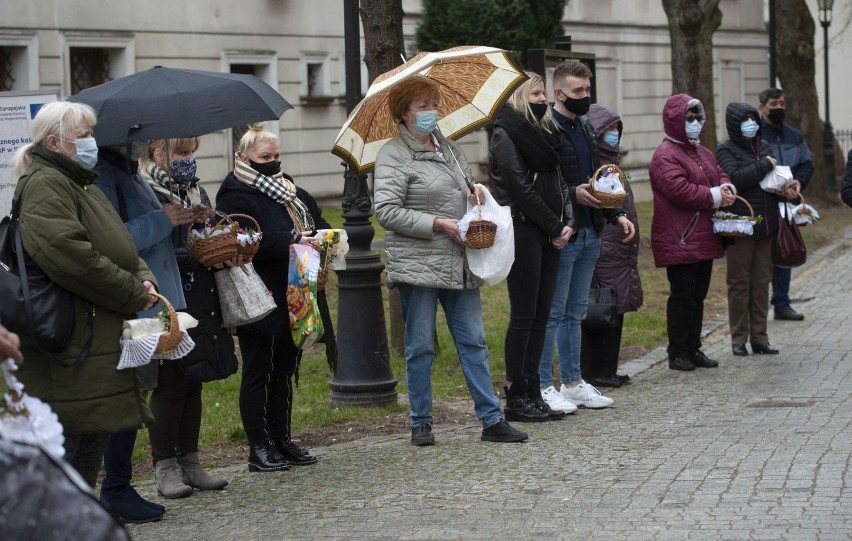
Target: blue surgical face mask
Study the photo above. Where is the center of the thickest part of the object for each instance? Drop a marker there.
(611, 138)
(749, 128)
(183, 171)
(426, 122)
(87, 152)
(693, 129)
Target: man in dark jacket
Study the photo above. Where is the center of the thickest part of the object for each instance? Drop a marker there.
(579, 160)
(789, 148)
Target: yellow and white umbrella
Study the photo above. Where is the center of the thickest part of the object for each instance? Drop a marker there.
(474, 83)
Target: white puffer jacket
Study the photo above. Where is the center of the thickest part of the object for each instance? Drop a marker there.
(413, 187)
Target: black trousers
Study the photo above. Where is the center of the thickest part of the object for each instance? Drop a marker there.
(86, 452)
(176, 405)
(688, 285)
(266, 390)
(531, 283)
(599, 350)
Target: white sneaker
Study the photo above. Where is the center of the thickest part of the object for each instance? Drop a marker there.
(585, 396)
(556, 402)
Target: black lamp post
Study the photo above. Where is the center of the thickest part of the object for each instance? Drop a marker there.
(825, 7)
(363, 373)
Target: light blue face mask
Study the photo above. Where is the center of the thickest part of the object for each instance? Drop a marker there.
(611, 138)
(693, 129)
(87, 152)
(426, 122)
(749, 128)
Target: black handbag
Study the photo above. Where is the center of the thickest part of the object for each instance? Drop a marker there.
(788, 247)
(33, 306)
(602, 312)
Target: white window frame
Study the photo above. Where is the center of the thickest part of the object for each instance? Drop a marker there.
(121, 47)
(324, 82)
(269, 61)
(26, 71)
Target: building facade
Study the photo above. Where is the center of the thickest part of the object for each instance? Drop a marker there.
(297, 46)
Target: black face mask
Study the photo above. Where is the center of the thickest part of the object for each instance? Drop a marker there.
(267, 169)
(776, 116)
(539, 109)
(577, 106)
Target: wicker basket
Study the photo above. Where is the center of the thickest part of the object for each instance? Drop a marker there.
(216, 249)
(801, 212)
(170, 339)
(749, 218)
(248, 251)
(608, 200)
(480, 233)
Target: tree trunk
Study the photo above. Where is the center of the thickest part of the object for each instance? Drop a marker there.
(383, 46)
(691, 27)
(383, 43)
(796, 71)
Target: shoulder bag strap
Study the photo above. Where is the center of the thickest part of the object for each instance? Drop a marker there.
(25, 285)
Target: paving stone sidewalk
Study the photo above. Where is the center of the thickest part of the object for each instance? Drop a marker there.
(758, 448)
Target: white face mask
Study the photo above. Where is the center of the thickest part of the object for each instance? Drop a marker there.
(87, 152)
(693, 129)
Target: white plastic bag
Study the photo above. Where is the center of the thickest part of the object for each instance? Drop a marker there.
(491, 264)
(778, 179)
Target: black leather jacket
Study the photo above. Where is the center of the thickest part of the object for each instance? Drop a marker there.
(540, 198)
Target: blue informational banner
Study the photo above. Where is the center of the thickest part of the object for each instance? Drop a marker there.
(17, 111)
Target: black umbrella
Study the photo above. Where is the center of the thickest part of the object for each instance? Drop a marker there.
(160, 103)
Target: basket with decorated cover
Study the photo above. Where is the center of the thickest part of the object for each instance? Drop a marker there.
(609, 185)
(216, 243)
(248, 239)
(727, 224)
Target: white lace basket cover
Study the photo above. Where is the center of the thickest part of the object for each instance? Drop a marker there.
(139, 340)
(740, 227)
(27, 419)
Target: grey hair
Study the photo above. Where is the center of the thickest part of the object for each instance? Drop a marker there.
(59, 118)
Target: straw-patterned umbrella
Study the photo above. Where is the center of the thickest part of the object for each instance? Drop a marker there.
(474, 83)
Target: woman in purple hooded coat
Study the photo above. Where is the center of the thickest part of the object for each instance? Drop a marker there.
(616, 266)
(688, 186)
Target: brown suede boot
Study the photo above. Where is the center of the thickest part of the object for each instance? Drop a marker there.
(169, 484)
(194, 475)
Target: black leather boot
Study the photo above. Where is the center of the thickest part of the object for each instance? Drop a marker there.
(294, 454)
(519, 408)
(533, 391)
(263, 457)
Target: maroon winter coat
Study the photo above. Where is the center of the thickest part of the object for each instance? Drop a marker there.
(682, 175)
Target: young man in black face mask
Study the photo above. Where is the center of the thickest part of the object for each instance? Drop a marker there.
(789, 148)
(578, 161)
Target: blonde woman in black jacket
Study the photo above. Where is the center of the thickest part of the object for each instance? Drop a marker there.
(524, 163)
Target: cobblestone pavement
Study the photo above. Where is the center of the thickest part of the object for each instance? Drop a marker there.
(758, 448)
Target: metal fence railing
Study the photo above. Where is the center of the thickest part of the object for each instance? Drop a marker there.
(844, 139)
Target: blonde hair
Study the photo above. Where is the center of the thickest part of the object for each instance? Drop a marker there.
(520, 102)
(168, 146)
(402, 95)
(256, 134)
(60, 118)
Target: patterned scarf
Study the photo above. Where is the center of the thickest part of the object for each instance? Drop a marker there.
(188, 194)
(278, 188)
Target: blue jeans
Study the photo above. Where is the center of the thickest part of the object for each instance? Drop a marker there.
(570, 301)
(463, 311)
(781, 288)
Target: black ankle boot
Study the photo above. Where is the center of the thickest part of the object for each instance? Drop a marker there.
(533, 392)
(294, 454)
(519, 408)
(263, 457)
